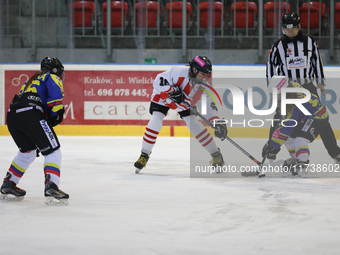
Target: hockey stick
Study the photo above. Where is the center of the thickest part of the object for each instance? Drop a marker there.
(261, 174)
(229, 140)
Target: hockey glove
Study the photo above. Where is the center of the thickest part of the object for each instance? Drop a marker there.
(57, 119)
(269, 151)
(221, 131)
(177, 96)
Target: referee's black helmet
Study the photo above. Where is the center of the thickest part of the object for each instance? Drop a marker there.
(290, 20)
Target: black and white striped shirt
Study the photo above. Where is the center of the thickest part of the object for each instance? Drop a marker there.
(298, 59)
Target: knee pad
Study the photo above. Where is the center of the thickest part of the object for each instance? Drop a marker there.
(290, 142)
(54, 157)
(300, 142)
(193, 124)
(156, 121)
(26, 158)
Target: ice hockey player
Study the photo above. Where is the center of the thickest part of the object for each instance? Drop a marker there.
(30, 120)
(170, 89)
(295, 129)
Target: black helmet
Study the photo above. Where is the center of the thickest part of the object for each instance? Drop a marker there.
(290, 20)
(201, 63)
(53, 65)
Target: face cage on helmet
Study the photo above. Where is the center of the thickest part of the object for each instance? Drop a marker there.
(62, 76)
(290, 26)
(56, 71)
(201, 80)
(59, 71)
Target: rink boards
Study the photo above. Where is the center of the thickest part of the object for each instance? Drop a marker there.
(113, 99)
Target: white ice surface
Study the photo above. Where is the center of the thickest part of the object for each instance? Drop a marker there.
(112, 210)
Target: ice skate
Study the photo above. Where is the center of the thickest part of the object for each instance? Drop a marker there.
(290, 162)
(288, 168)
(337, 159)
(54, 196)
(301, 168)
(271, 157)
(141, 162)
(9, 190)
(217, 160)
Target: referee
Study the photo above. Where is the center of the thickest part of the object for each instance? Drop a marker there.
(296, 56)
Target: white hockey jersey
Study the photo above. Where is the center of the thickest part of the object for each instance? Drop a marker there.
(178, 76)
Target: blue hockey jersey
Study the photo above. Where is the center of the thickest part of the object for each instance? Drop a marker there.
(50, 89)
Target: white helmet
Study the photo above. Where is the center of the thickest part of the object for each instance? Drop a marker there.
(277, 82)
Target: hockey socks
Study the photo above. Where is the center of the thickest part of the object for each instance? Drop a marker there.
(52, 166)
(201, 134)
(20, 164)
(151, 131)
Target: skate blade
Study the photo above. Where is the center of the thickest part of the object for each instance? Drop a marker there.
(277, 163)
(287, 174)
(302, 175)
(55, 201)
(10, 197)
(247, 174)
(293, 176)
(137, 170)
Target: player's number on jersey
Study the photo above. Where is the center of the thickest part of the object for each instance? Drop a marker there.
(32, 88)
(163, 82)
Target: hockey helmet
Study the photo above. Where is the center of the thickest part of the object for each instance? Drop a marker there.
(200, 64)
(290, 20)
(53, 65)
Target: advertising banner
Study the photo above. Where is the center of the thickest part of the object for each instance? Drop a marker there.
(100, 97)
(120, 95)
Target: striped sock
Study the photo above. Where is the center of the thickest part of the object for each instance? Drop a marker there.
(20, 164)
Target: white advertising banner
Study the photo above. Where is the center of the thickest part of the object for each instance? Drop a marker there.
(99, 110)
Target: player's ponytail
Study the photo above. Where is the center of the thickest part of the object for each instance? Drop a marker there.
(34, 76)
